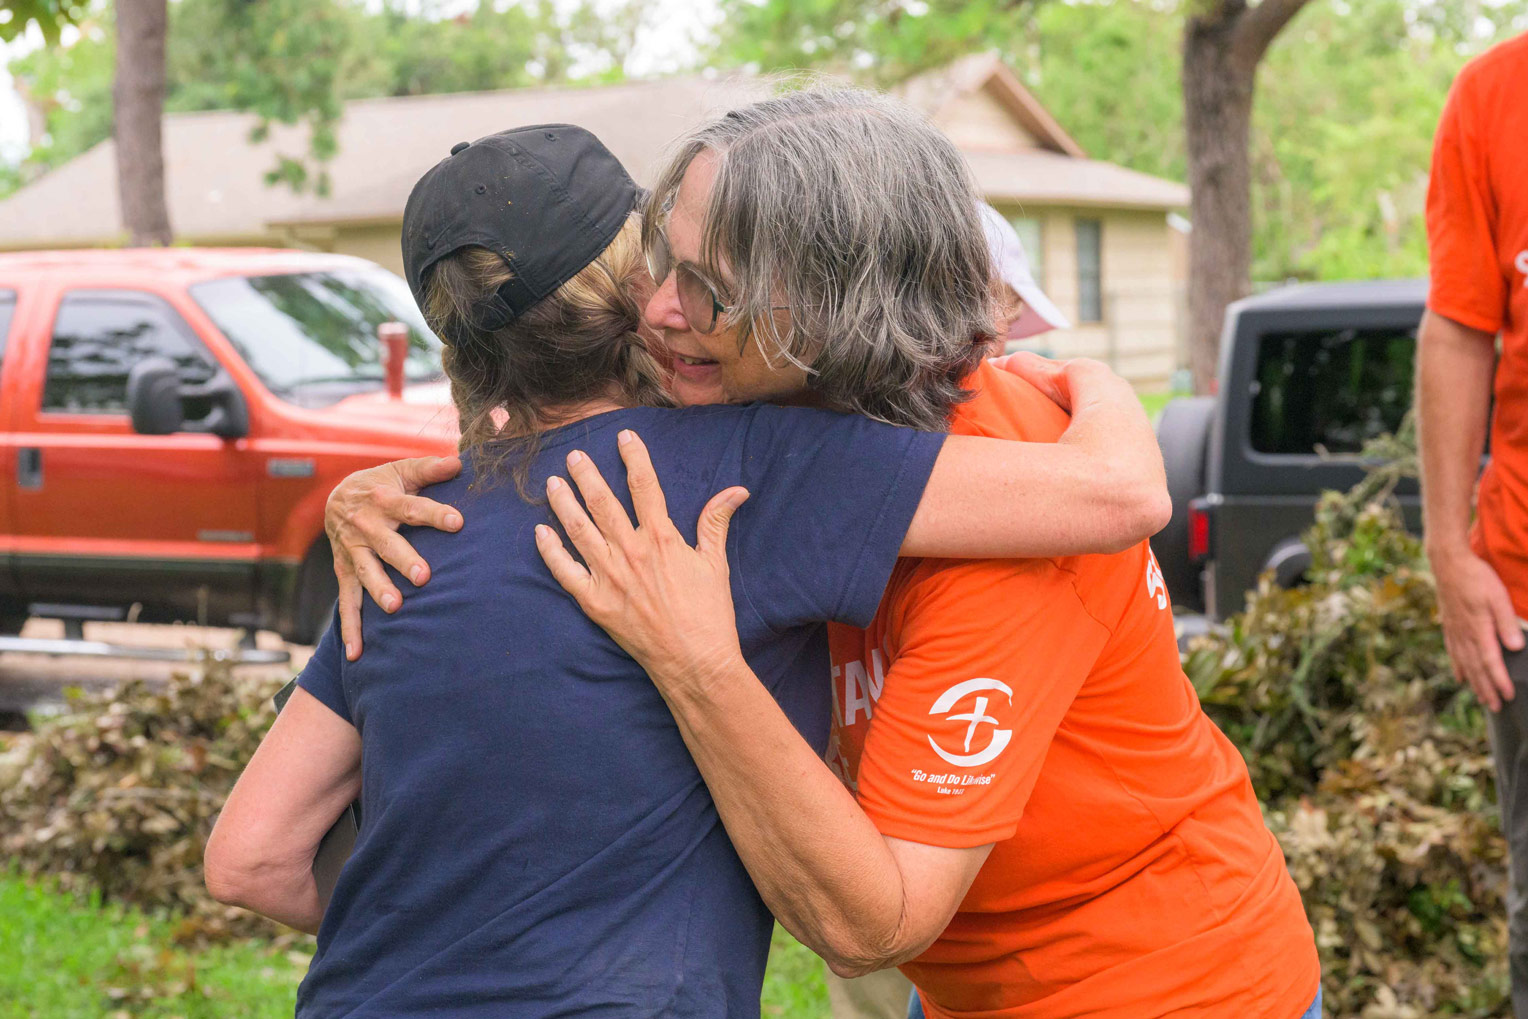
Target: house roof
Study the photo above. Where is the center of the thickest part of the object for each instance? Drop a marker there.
(217, 192)
(934, 92)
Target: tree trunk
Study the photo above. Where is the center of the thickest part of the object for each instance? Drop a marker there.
(1223, 43)
(138, 92)
(1217, 122)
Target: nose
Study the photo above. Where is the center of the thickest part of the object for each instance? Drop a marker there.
(663, 310)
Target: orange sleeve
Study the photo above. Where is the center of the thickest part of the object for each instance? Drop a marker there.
(986, 659)
(1467, 281)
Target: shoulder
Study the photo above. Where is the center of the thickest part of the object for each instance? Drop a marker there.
(1495, 75)
(1004, 406)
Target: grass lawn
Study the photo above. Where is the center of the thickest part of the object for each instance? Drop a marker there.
(1154, 402)
(61, 958)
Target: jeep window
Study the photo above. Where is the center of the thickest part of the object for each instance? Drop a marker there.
(311, 337)
(7, 309)
(97, 338)
(1330, 390)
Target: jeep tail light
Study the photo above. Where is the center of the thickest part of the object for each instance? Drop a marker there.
(1198, 530)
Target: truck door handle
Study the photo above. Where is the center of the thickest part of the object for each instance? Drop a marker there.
(29, 468)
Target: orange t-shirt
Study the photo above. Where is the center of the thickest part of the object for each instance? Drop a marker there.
(1040, 705)
(1477, 234)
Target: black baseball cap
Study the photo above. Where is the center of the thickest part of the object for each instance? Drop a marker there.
(549, 198)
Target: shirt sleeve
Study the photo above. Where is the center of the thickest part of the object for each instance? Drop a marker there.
(323, 676)
(831, 498)
(987, 658)
(1467, 285)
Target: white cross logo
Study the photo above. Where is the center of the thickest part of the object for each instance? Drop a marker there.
(978, 715)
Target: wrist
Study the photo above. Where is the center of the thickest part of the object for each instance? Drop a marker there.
(699, 676)
(1443, 553)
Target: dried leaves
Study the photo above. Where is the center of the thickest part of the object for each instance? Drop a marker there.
(1372, 764)
(120, 794)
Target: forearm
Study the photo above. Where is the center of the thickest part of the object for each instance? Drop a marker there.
(241, 871)
(1455, 366)
(817, 860)
(1101, 488)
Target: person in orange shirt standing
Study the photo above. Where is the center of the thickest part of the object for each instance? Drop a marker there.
(1477, 231)
(1043, 823)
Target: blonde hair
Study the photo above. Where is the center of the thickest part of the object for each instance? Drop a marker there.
(581, 343)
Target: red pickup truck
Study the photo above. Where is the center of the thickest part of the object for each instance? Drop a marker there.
(171, 422)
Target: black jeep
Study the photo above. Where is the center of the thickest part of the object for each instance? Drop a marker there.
(1308, 373)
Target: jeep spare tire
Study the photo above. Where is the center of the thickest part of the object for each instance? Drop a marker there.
(1183, 432)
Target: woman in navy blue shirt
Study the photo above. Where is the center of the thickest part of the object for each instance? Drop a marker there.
(536, 840)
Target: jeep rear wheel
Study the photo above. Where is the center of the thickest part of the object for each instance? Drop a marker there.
(1183, 432)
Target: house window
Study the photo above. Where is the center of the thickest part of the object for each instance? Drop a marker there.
(1033, 239)
(1090, 282)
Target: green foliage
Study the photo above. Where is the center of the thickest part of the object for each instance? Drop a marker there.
(298, 61)
(886, 39)
(1371, 761)
(48, 15)
(118, 796)
(1347, 98)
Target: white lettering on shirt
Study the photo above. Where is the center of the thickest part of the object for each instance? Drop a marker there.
(1522, 265)
(856, 692)
(1156, 586)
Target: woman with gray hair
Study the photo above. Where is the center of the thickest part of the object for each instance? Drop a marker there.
(1024, 805)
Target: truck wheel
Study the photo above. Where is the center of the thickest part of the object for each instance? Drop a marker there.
(1183, 432)
(13, 616)
(317, 592)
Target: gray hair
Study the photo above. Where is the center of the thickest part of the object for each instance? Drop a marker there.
(853, 211)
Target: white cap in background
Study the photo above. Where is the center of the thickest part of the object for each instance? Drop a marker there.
(1012, 267)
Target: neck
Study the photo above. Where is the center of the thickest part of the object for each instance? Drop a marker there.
(569, 413)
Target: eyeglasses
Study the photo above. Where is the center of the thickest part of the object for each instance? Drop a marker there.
(697, 297)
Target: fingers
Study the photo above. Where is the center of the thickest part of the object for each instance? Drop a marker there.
(350, 609)
(417, 510)
(395, 550)
(591, 544)
(565, 569)
(711, 530)
(608, 513)
(427, 470)
(642, 479)
(374, 579)
(1046, 376)
(1508, 630)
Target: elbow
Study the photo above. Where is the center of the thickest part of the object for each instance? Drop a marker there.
(233, 876)
(226, 881)
(1142, 509)
(855, 953)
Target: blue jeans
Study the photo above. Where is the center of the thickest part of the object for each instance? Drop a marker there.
(915, 1007)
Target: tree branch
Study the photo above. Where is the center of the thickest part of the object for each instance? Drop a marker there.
(1258, 26)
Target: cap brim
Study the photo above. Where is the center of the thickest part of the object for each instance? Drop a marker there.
(1040, 314)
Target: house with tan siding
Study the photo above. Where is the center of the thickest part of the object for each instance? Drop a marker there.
(1097, 234)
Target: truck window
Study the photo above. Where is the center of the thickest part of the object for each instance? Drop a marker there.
(97, 338)
(311, 337)
(7, 309)
(1334, 390)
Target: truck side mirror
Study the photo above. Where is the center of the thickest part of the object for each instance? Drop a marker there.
(153, 397)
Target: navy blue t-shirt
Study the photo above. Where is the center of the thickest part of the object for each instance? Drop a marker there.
(536, 840)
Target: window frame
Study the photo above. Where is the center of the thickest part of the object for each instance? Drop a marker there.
(1088, 315)
(1036, 256)
(118, 296)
